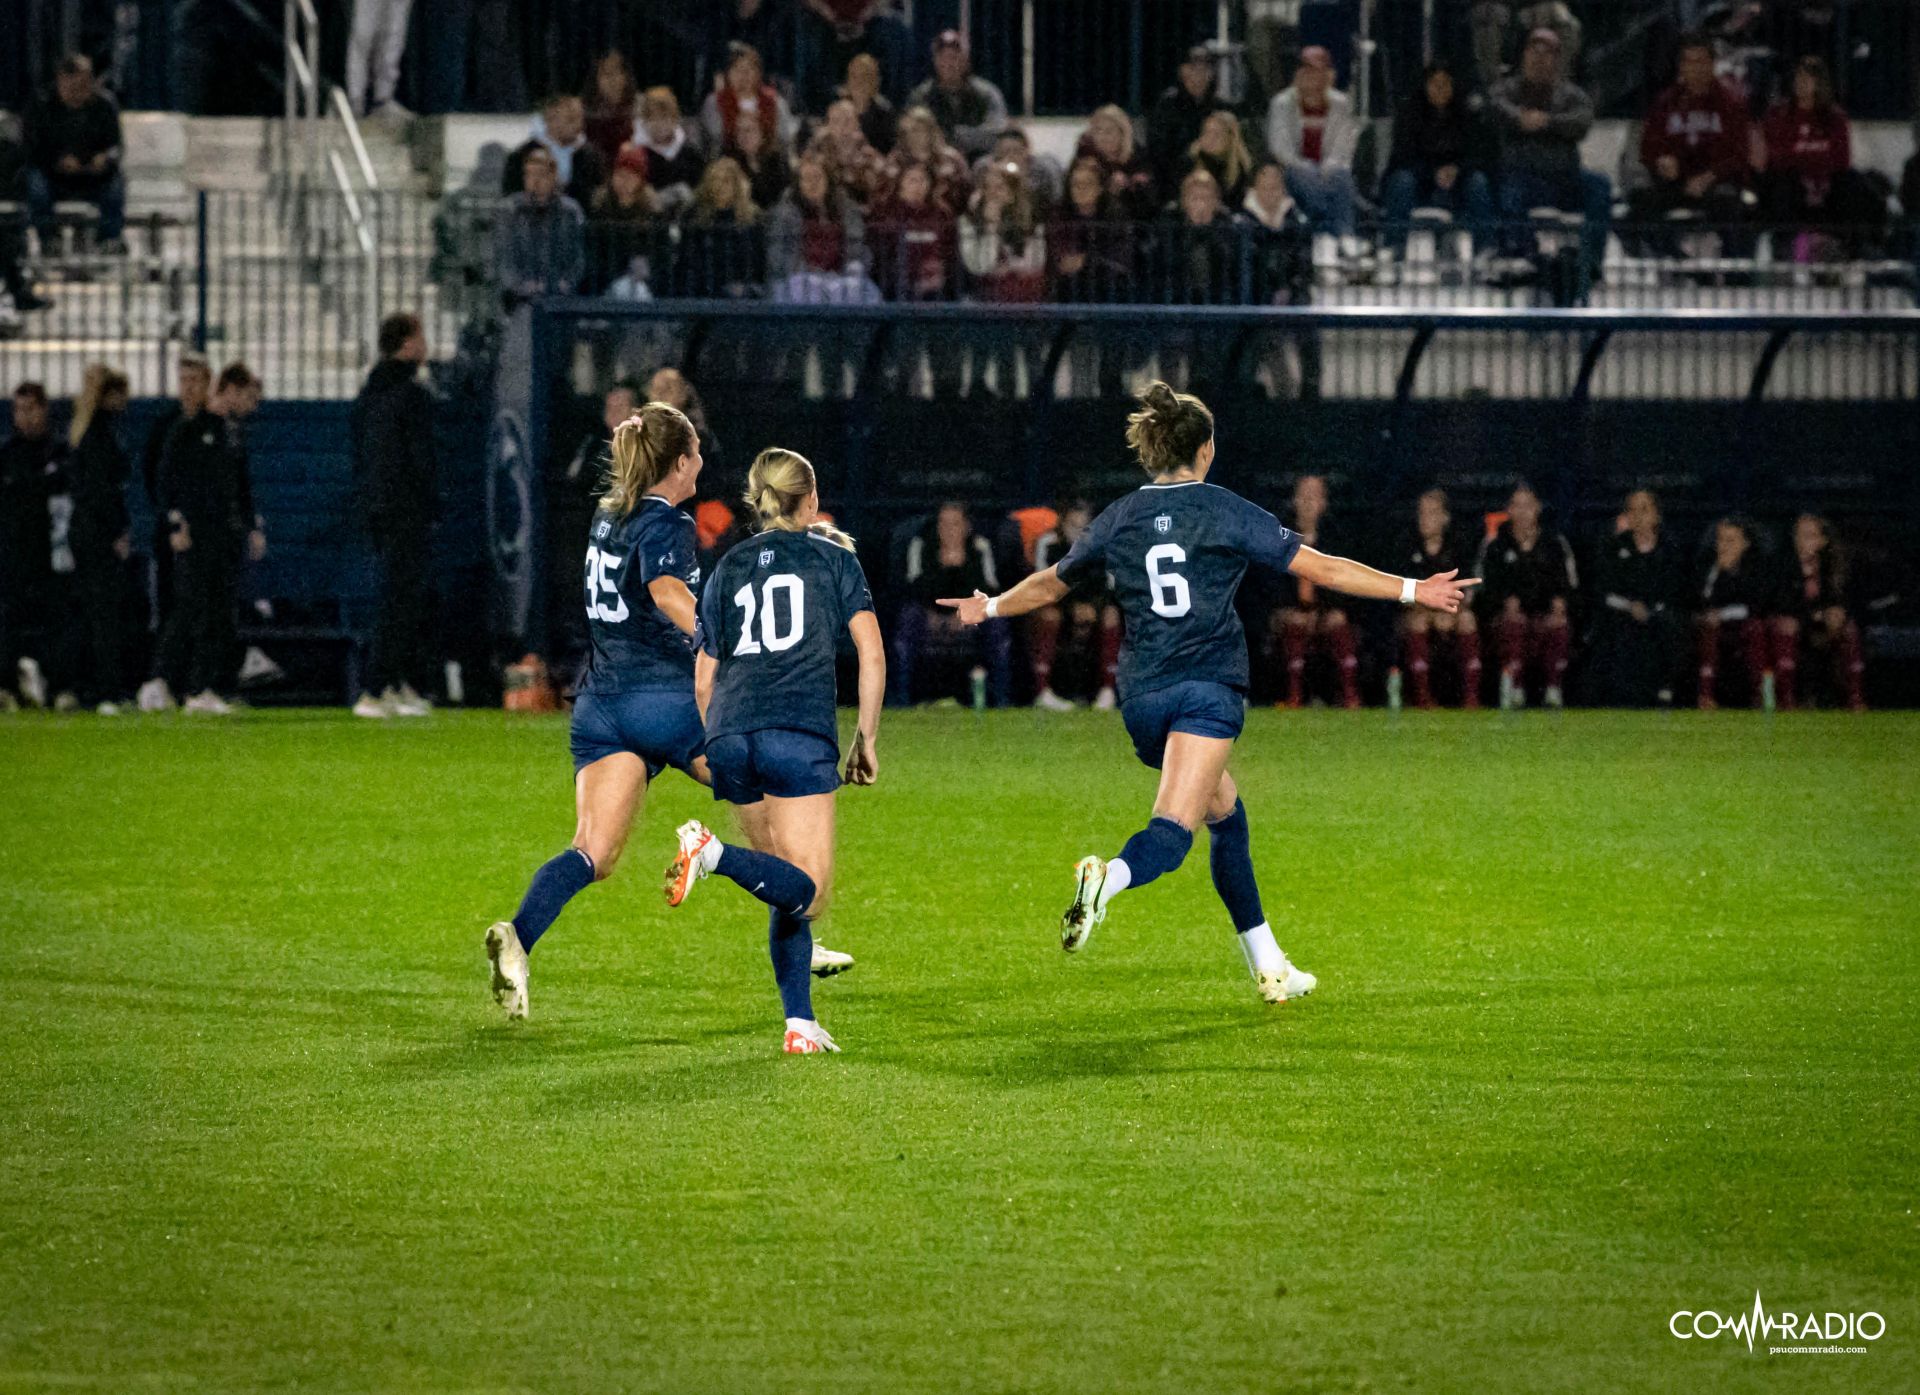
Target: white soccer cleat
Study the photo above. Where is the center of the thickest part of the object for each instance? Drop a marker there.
(155, 696)
(1047, 700)
(107, 709)
(1288, 983)
(406, 702)
(690, 864)
(1105, 701)
(207, 704)
(1089, 906)
(1554, 697)
(807, 1039)
(509, 962)
(372, 708)
(828, 962)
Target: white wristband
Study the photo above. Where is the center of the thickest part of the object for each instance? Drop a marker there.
(1406, 590)
(993, 607)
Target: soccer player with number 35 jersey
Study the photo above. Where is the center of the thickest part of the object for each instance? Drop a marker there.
(1177, 550)
(770, 623)
(635, 714)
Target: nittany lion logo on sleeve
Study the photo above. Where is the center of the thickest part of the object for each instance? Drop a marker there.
(1163, 524)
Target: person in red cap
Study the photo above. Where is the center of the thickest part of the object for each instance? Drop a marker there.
(1695, 146)
(971, 111)
(1311, 129)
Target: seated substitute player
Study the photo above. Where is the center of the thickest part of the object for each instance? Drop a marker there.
(1177, 550)
(635, 714)
(770, 620)
(1530, 579)
(1305, 619)
(1734, 600)
(1089, 625)
(1433, 548)
(1818, 611)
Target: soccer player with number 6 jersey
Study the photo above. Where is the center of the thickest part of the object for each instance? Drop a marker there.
(1177, 550)
(770, 622)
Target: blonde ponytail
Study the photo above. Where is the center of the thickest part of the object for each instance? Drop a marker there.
(646, 448)
(1169, 429)
(823, 529)
(778, 483)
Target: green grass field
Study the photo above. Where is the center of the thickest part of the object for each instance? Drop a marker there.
(1618, 1016)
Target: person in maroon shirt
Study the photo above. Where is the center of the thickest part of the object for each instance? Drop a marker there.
(1805, 165)
(613, 106)
(913, 239)
(1695, 146)
(1816, 612)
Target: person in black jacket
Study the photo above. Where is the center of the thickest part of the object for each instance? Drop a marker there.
(1175, 118)
(207, 500)
(73, 151)
(1528, 582)
(193, 382)
(1438, 160)
(30, 465)
(1736, 597)
(98, 539)
(392, 431)
(1638, 634)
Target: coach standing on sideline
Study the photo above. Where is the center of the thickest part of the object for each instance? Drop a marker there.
(393, 475)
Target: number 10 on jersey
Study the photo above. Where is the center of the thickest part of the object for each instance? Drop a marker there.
(772, 636)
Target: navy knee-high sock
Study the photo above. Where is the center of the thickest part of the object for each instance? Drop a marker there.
(790, 942)
(558, 881)
(1155, 850)
(1231, 859)
(773, 879)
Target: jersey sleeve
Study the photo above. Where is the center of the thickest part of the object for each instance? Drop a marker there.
(1270, 545)
(669, 548)
(855, 595)
(1086, 560)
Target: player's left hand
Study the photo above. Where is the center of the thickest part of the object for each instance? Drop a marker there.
(256, 545)
(1443, 592)
(863, 765)
(969, 610)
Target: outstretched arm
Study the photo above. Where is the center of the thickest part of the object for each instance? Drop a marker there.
(704, 668)
(1438, 592)
(1038, 591)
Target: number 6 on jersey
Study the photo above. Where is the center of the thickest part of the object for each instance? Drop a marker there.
(1170, 595)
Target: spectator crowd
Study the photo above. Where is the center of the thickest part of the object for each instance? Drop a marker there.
(859, 190)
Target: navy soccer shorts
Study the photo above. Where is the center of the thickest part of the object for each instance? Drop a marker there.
(1200, 709)
(661, 727)
(785, 764)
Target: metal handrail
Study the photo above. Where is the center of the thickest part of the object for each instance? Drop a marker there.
(344, 110)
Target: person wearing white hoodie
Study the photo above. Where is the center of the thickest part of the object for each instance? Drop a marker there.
(1313, 131)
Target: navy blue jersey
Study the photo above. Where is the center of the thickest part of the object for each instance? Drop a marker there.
(632, 646)
(772, 614)
(1176, 554)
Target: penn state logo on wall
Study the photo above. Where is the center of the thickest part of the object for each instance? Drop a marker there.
(1163, 524)
(510, 517)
